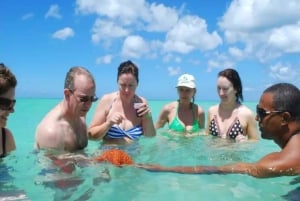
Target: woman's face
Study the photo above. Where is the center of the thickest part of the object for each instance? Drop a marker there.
(127, 84)
(226, 91)
(185, 93)
(7, 102)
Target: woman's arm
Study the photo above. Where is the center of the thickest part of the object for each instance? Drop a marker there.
(99, 124)
(251, 131)
(10, 141)
(201, 117)
(163, 117)
(147, 121)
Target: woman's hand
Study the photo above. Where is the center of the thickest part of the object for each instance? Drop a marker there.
(144, 110)
(115, 118)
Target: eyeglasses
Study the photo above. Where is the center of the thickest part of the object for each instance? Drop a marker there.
(7, 104)
(261, 113)
(85, 99)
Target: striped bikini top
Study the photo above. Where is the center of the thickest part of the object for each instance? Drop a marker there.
(116, 132)
(133, 133)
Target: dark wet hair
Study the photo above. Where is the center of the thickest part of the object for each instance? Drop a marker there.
(7, 79)
(76, 70)
(286, 97)
(233, 76)
(128, 67)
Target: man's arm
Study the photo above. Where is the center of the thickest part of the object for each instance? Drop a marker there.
(49, 138)
(272, 165)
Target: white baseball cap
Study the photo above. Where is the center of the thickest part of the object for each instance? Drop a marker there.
(186, 80)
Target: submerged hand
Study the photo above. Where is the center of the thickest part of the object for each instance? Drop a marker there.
(240, 138)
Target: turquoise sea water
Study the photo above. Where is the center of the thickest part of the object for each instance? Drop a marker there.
(25, 174)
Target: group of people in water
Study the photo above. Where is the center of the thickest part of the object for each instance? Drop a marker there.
(117, 120)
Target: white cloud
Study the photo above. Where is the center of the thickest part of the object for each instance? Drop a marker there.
(171, 58)
(118, 19)
(105, 59)
(219, 61)
(189, 34)
(236, 53)
(53, 12)
(259, 15)
(135, 47)
(267, 28)
(103, 30)
(161, 18)
(284, 72)
(64, 33)
(174, 71)
(286, 38)
(124, 11)
(27, 16)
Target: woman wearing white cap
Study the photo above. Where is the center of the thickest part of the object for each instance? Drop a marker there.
(230, 118)
(183, 115)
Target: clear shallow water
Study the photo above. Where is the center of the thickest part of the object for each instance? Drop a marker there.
(26, 173)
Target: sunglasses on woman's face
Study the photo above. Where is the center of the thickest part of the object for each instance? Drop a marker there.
(261, 113)
(7, 104)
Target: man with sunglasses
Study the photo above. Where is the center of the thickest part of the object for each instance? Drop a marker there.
(64, 127)
(8, 83)
(278, 116)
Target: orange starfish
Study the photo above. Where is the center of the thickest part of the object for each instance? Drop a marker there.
(116, 157)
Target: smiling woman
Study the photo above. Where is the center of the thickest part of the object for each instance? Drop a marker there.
(8, 84)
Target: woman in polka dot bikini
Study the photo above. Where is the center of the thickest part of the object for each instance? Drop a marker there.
(230, 118)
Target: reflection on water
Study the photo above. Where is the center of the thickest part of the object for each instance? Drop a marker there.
(37, 178)
(8, 190)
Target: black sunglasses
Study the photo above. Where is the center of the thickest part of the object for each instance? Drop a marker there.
(85, 99)
(7, 104)
(261, 113)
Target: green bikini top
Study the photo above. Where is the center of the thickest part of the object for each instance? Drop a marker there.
(177, 126)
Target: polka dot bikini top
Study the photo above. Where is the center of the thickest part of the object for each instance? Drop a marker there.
(234, 130)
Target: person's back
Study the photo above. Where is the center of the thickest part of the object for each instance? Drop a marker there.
(64, 127)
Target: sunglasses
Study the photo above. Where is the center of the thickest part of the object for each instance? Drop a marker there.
(7, 104)
(85, 99)
(261, 113)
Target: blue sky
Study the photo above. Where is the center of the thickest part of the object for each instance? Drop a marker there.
(259, 38)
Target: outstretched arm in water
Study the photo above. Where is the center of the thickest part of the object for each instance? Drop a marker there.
(272, 165)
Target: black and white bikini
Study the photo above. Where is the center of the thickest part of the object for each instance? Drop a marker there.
(234, 130)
